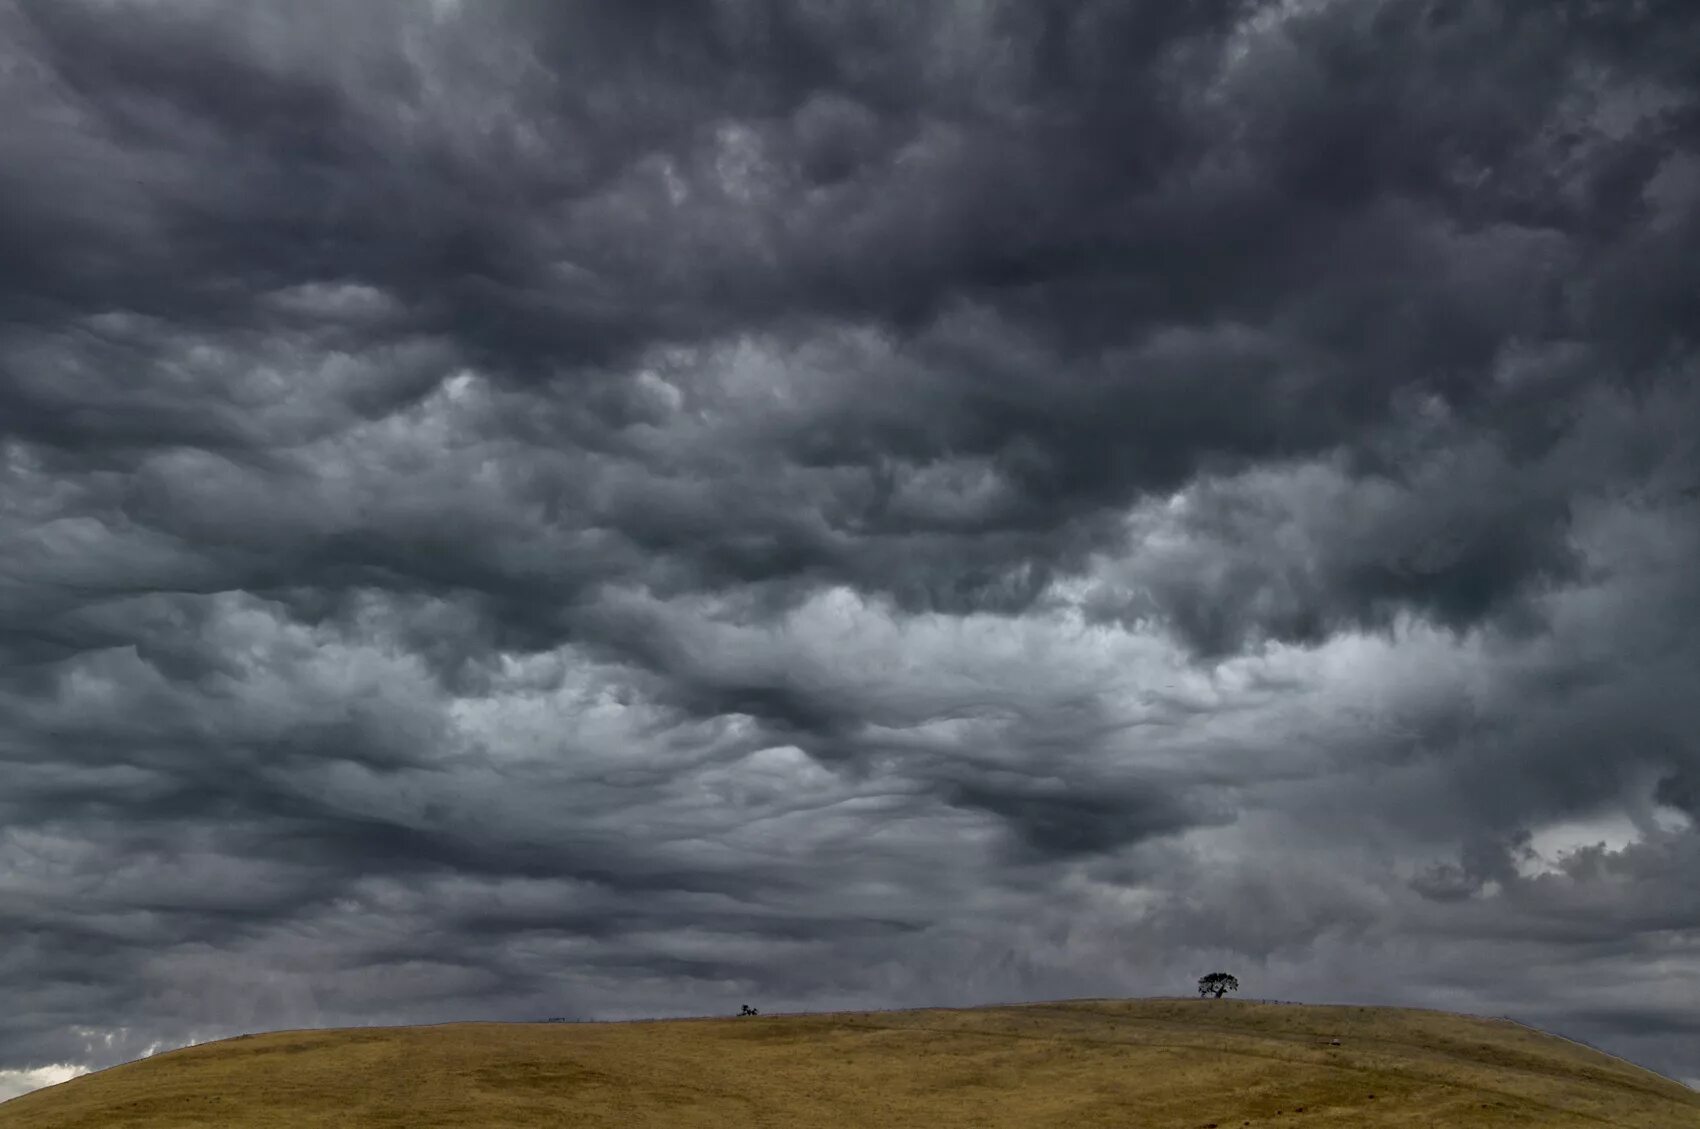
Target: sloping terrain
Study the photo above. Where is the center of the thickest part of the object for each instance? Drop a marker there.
(1077, 1063)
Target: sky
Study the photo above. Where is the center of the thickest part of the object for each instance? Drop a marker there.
(606, 510)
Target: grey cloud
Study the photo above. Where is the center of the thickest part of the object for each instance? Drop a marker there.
(1679, 791)
(1301, 556)
(555, 508)
(1075, 824)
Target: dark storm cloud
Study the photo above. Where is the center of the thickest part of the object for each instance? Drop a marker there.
(1384, 249)
(1067, 823)
(567, 507)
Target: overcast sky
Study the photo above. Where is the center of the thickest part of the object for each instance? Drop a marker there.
(638, 507)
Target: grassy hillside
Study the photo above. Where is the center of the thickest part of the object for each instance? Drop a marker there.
(1078, 1063)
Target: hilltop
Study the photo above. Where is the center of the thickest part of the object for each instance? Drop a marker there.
(1075, 1063)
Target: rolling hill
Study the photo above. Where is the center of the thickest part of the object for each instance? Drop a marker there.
(1078, 1063)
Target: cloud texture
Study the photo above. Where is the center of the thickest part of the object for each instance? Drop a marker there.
(513, 509)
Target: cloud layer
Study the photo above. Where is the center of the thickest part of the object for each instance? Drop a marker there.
(524, 509)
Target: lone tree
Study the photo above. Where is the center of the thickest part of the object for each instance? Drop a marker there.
(748, 1010)
(1218, 983)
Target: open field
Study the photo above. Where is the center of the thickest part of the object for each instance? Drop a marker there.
(1077, 1063)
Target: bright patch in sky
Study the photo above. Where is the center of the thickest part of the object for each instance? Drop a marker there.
(15, 1082)
(1550, 844)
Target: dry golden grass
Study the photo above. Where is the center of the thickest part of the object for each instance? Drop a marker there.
(1077, 1063)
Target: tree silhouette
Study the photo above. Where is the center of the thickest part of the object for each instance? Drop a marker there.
(748, 1010)
(1217, 983)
